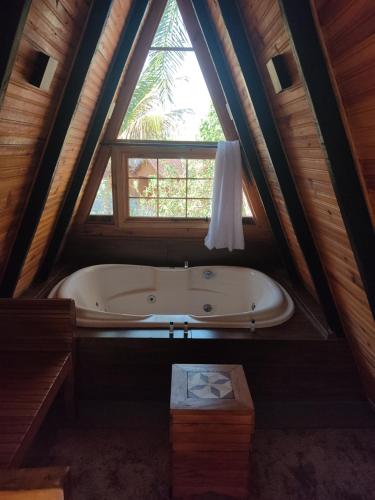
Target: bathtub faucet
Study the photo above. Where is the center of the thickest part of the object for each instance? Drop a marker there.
(186, 264)
(208, 274)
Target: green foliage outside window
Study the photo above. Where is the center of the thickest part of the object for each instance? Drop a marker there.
(210, 128)
(177, 188)
(103, 204)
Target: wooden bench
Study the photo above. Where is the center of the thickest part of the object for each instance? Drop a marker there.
(46, 483)
(36, 359)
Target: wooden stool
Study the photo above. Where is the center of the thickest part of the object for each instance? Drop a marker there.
(211, 423)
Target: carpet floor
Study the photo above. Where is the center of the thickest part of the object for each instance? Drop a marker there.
(119, 451)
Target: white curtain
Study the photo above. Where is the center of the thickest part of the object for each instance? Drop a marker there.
(225, 229)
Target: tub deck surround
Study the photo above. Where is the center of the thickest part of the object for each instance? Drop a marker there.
(118, 295)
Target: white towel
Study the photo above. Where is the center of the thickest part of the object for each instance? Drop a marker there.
(225, 229)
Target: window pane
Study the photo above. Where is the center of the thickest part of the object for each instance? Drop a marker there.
(142, 167)
(103, 204)
(143, 207)
(199, 188)
(172, 208)
(171, 101)
(172, 168)
(171, 31)
(160, 188)
(246, 210)
(144, 188)
(201, 168)
(171, 188)
(199, 208)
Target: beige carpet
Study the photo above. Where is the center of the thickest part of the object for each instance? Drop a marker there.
(120, 451)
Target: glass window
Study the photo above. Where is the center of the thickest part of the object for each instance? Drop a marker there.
(171, 100)
(103, 204)
(172, 188)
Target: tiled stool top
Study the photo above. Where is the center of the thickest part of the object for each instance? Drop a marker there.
(210, 387)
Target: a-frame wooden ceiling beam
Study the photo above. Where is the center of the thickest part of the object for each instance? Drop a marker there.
(342, 168)
(207, 68)
(242, 47)
(218, 98)
(132, 74)
(13, 15)
(128, 36)
(134, 68)
(230, 91)
(55, 142)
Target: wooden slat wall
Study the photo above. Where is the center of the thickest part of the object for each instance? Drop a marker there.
(27, 112)
(309, 166)
(37, 325)
(348, 33)
(98, 152)
(74, 139)
(262, 150)
(99, 244)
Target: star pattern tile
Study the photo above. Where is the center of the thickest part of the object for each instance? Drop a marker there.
(209, 385)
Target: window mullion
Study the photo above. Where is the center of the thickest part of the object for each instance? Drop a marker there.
(157, 187)
(186, 192)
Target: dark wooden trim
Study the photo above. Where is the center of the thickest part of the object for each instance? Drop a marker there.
(134, 68)
(124, 96)
(47, 167)
(207, 68)
(110, 85)
(234, 102)
(13, 15)
(342, 169)
(160, 144)
(254, 84)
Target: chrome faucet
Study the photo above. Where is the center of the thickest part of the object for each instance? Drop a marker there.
(208, 274)
(186, 264)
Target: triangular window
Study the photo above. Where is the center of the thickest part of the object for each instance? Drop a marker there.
(103, 203)
(171, 100)
(160, 179)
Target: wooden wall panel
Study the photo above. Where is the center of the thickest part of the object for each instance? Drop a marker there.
(27, 112)
(348, 35)
(260, 144)
(74, 139)
(95, 244)
(94, 161)
(309, 165)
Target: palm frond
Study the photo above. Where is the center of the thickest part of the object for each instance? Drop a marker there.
(171, 31)
(154, 90)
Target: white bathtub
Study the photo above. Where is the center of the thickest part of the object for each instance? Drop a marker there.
(115, 295)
